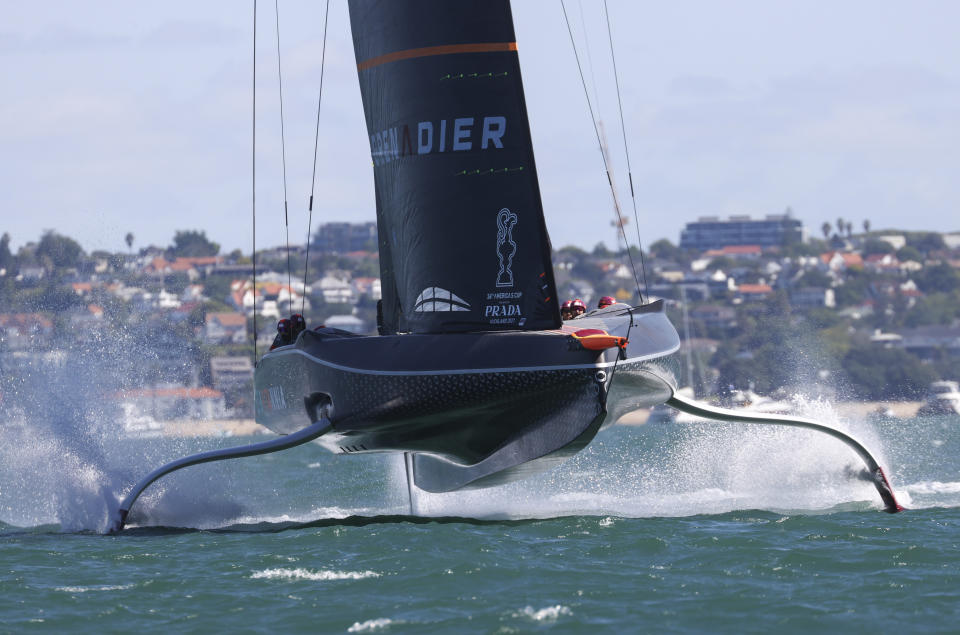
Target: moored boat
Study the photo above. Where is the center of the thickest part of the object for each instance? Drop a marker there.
(943, 398)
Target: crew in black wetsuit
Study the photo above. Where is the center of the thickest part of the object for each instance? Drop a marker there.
(284, 332)
(297, 326)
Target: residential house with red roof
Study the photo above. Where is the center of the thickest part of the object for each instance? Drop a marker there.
(272, 298)
(841, 260)
(882, 263)
(753, 292)
(225, 328)
(189, 266)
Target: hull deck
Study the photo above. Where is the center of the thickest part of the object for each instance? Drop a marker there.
(475, 409)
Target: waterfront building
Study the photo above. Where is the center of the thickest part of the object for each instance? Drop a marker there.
(709, 232)
(340, 238)
(173, 402)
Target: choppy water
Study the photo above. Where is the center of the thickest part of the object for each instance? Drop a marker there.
(708, 527)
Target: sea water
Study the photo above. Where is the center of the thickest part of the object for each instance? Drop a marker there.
(696, 527)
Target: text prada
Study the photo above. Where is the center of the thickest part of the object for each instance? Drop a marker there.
(501, 310)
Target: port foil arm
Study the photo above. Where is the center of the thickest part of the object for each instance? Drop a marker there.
(300, 437)
(877, 475)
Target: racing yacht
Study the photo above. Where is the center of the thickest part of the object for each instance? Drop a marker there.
(472, 375)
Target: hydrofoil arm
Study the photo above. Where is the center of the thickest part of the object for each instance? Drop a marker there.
(309, 433)
(876, 472)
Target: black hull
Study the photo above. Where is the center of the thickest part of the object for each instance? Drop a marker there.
(475, 409)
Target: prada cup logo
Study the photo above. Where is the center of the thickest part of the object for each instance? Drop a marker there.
(506, 248)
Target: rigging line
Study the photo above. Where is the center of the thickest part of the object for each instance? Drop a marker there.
(586, 42)
(626, 150)
(603, 155)
(253, 182)
(620, 353)
(283, 149)
(603, 135)
(316, 145)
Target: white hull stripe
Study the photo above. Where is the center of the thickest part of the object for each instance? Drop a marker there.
(473, 371)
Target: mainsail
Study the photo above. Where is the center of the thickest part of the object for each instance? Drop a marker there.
(463, 243)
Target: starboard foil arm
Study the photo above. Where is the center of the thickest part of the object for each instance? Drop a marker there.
(721, 414)
(300, 437)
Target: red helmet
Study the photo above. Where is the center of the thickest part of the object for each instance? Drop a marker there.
(578, 304)
(567, 304)
(605, 301)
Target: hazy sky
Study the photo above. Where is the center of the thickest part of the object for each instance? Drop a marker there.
(119, 116)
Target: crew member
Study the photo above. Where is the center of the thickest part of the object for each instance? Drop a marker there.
(605, 301)
(565, 311)
(577, 308)
(297, 326)
(283, 334)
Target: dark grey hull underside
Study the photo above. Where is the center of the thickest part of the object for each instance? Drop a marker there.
(474, 409)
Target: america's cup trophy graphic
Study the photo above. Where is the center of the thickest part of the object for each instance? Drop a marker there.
(506, 248)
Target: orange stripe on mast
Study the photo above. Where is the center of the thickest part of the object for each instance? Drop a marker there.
(446, 49)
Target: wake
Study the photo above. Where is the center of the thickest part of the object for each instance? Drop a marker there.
(674, 470)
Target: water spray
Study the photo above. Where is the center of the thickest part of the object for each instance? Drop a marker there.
(876, 473)
(300, 437)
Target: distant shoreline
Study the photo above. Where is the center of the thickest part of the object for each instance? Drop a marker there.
(213, 428)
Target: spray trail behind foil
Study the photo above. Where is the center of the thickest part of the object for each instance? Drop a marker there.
(678, 470)
(64, 460)
(52, 461)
